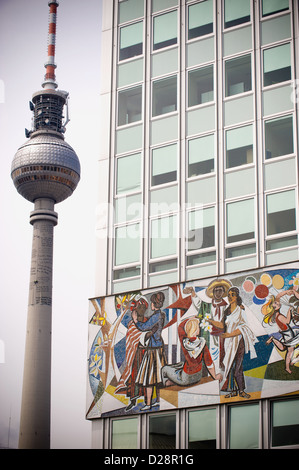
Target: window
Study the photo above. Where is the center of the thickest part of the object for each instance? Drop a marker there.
(279, 137)
(285, 423)
(164, 165)
(200, 86)
(125, 433)
(201, 154)
(129, 106)
(164, 237)
(238, 75)
(130, 10)
(244, 427)
(128, 174)
(239, 146)
(281, 212)
(240, 221)
(127, 249)
(164, 96)
(162, 432)
(269, 7)
(277, 64)
(200, 19)
(201, 229)
(131, 41)
(165, 30)
(202, 429)
(236, 12)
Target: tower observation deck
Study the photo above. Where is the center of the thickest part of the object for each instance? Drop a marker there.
(45, 170)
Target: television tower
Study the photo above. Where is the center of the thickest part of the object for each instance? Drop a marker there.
(45, 170)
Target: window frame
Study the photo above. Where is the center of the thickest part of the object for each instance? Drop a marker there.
(226, 130)
(270, 15)
(273, 46)
(173, 45)
(194, 70)
(252, 73)
(204, 36)
(285, 234)
(133, 57)
(177, 104)
(276, 118)
(132, 123)
(167, 183)
(228, 420)
(241, 243)
(239, 25)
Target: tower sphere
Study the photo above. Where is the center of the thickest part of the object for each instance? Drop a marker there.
(45, 167)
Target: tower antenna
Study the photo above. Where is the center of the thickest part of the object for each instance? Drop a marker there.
(50, 65)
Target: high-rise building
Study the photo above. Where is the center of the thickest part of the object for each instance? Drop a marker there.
(45, 170)
(193, 336)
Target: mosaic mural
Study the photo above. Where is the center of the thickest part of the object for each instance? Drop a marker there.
(220, 340)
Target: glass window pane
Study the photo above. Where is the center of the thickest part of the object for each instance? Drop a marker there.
(280, 243)
(274, 6)
(128, 173)
(239, 146)
(277, 64)
(200, 19)
(244, 427)
(285, 423)
(130, 10)
(164, 165)
(241, 251)
(125, 433)
(159, 5)
(163, 266)
(127, 249)
(129, 106)
(164, 237)
(240, 221)
(131, 41)
(162, 432)
(279, 137)
(281, 212)
(236, 12)
(126, 273)
(201, 155)
(165, 30)
(202, 429)
(201, 228)
(201, 258)
(164, 96)
(238, 75)
(200, 86)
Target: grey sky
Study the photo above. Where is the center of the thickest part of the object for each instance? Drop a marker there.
(23, 52)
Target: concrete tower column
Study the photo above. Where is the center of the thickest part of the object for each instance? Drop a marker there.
(36, 413)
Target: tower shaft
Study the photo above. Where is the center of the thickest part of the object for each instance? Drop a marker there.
(36, 400)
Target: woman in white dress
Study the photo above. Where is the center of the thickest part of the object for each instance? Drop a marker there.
(239, 340)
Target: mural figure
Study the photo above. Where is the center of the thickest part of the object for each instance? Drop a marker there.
(216, 291)
(135, 347)
(154, 358)
(196, 353)
(287, 339)
(208, 341)
(239, 339)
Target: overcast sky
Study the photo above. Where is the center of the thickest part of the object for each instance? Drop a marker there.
(23, 52)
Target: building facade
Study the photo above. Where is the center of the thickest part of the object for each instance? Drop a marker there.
(193, 327)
